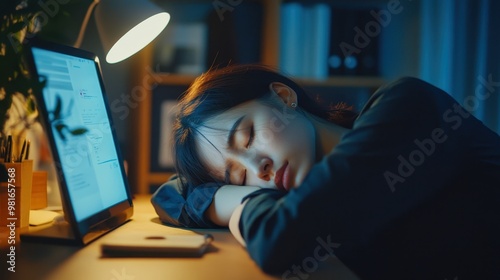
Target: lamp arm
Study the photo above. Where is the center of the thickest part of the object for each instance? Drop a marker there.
(85, 22)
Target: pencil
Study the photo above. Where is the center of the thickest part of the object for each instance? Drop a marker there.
(22, 151)
(8, 153)
(28, 149)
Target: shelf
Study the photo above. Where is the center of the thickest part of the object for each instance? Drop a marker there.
(337, 81)
(159, 178)
(344, 81)
(156, 179)
(173, 79)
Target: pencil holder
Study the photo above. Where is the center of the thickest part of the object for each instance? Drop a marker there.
(39, 190)
(15, 194)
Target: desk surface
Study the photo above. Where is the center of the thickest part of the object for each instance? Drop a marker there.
(226, 259)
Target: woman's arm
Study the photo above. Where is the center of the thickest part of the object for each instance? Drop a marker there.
(234, 223)
(225, 201)
(204, 206)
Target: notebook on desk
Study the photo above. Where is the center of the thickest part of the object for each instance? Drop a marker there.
(75, 113)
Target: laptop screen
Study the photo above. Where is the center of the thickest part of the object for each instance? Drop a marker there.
(81, 131)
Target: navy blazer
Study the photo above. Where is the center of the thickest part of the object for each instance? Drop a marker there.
(411, 192)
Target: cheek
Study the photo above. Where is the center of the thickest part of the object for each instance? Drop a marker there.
(301, 138)
(265, 138)
(296, 136)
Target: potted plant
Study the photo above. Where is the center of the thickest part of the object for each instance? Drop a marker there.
(17, 104)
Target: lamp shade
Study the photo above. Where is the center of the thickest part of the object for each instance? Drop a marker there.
(127, 26)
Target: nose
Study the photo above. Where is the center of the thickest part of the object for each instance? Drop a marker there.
(261, 166)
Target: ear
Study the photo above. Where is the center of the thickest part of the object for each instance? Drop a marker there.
(285, 93)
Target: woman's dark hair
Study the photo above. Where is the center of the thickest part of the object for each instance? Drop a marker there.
(219, 90)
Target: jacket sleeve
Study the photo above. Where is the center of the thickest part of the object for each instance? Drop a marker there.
(407, 133)
(186, 208)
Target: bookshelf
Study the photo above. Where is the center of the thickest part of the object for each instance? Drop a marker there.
(145, 172)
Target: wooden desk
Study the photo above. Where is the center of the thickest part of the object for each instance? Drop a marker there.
(226, 259)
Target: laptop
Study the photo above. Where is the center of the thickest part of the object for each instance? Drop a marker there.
(75, 113)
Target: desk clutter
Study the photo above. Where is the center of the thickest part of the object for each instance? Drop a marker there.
(21, 188)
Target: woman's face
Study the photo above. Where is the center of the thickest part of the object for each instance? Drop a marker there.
(270, 145)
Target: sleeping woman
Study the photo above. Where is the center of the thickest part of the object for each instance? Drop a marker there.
(407, 188)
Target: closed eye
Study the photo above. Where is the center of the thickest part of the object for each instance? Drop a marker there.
(244, 178)
(251, 137)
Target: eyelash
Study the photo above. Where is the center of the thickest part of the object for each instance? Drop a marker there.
(250, 141)
(252, 136)
(244, 178)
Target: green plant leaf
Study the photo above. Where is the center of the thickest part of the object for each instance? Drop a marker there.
(14, 77)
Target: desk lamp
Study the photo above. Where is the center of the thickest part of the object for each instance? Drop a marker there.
(124, 26)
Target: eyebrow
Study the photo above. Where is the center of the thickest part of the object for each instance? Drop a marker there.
(230, 144)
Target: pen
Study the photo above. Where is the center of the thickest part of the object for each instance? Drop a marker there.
(28, 149)
(8, 152)
(22, 151)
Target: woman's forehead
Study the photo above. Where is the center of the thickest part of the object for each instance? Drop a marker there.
(224, 120)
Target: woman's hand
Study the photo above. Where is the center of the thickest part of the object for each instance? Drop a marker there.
(226, 200)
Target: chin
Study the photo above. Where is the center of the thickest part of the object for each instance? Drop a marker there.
(299, 178)
(302, 173)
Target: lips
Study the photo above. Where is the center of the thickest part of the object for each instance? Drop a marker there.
(279, 178)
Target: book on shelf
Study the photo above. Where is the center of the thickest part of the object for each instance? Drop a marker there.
(318, 41)
(304, 37)
(354, 44)
(237, 38)
(291, 39)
